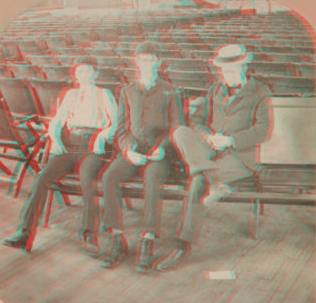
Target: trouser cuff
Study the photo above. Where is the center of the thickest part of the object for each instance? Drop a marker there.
(111, 230)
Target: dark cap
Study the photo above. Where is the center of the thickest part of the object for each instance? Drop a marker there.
(86, 60)
(147, 47)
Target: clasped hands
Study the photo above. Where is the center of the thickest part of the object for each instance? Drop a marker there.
(218, 141)
(138, 159)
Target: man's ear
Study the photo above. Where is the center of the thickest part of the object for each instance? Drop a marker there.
(158, 63)
(95, 74)
(245, 68)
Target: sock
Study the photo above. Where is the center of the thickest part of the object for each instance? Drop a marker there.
(182, 244)
(148, 235)
(115, 231)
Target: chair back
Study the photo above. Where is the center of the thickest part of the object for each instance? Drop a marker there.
(11, 50)
(56, 72)
(106, 75)
(42, 59)
(27, 46)
(24, 71)
(6, 132)
(19, 96)
(4, 71)
(47, 91)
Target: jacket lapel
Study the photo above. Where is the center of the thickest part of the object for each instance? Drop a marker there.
(240, 99)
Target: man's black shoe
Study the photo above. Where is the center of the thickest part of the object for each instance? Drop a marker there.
(174, 258)
(115, 254)
(143, 255)
(19, 240)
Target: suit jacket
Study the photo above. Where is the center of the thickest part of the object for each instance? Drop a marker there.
(246, 119)
(145, 117)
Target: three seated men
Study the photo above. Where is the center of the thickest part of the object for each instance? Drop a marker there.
(218, 147)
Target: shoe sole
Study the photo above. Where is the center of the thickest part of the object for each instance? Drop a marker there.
(25, 248)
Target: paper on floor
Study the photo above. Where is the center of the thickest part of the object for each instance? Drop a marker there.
(220, 275)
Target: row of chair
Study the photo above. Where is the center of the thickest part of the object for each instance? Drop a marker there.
(37, 96)
(103, 33)
(109, 67)
(15, 49)
(173, 50)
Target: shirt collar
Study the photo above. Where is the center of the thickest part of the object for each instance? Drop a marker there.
(141, 88)
(230, 91)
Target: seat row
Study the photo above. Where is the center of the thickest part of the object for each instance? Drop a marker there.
(37, 96)
(57, 67)
(9, 50)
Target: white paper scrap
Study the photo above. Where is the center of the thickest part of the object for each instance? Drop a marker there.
(220, 275)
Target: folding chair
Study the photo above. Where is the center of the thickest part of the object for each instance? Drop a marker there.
(2, 55)
(11, 50)
(193, 79)
(4, 71)
(107, 61)
(24, 70)
(67, 60)
(106, 75)
(58, 40)
(28, 46)
(19, 97)
(47, 91)
(42, 59)
(56, 72)
(288, 86)
(25, 149)
(100, 51)
(69, 50)
(112, 86)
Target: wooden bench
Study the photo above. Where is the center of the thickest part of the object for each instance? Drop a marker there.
(273, 184)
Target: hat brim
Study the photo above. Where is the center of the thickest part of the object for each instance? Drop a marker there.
(217, 63)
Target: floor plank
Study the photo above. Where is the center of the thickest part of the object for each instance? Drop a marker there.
(278, 267)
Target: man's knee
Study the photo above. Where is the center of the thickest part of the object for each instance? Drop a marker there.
(42, 179)
(106, 176)
(197, 187)
(111, 176)
(156, 173)
(180, 133)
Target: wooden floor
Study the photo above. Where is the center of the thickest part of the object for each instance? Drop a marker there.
(278, 267)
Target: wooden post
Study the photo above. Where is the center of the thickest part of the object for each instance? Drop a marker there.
(48, 207)
(254, 218)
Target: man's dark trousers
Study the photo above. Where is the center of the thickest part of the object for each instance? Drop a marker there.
(204, 166)
(154, 174)
(89, 165)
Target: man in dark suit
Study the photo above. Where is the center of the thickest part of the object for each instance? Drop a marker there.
(219, 146)
(148, 110)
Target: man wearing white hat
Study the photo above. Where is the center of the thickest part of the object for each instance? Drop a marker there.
(219, 145)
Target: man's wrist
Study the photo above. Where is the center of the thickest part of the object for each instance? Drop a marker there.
(231, 142)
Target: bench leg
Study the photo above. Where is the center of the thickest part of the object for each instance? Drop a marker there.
(254, 218)
(62, 199)
(261, 209)
(126, 204)
(48, 207)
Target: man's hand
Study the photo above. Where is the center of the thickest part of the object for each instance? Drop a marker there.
(99, 143)
(98, 146)
(59, 149)
(218, 141)
(134, 158)
(157, 154)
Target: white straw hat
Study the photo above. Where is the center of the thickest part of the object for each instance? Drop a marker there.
(231, 54)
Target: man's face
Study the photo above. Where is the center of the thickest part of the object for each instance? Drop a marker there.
(84, 73)
(147, 63)
(232, 75)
